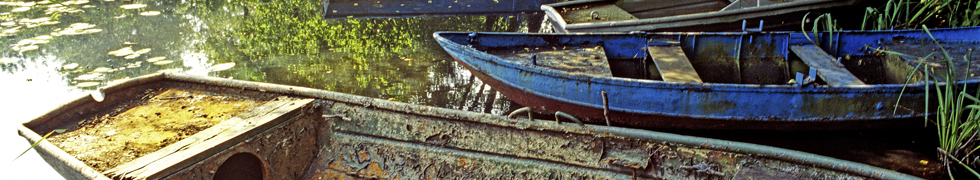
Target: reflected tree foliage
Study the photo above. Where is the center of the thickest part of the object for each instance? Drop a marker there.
(389, 58)
(277, 41)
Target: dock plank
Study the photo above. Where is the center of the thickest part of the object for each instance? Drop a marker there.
(673, 64)
(828, 68)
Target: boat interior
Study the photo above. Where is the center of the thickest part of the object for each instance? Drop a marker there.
(755, 60)
(601, 11)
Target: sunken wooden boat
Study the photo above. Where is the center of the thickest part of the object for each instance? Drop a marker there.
(696, 15)
(302, 133)
(334, 9)
(772, 81)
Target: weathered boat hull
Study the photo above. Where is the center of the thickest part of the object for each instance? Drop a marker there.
(346, 136)
(745, 77)
(702, 15)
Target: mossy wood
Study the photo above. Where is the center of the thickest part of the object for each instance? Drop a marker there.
(673, 64)
(831, 71)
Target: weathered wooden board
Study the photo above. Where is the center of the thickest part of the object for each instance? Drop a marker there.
(673, 64)
(828, 68)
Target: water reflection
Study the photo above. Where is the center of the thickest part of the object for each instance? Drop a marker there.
(93, 43)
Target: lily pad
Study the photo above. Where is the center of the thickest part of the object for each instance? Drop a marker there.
(100, 70)
(221, 67)
(70, 66)
(155, 59)
(20, 9)
(25, 48)
(133, 6)
(163, 62)
(126, 51)
(6, 60)
(142, 51)
(150, 13)
(91, 31)
(133, 56)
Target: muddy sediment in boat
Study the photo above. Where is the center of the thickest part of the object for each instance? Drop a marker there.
(157, 120)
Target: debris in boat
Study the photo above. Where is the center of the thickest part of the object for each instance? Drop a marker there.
(107, 141)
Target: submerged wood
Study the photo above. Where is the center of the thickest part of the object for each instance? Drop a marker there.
(345, 136)
(749, 78)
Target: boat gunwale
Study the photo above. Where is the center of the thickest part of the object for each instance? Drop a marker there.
(790, 156)
(646, 83)
(658, 22)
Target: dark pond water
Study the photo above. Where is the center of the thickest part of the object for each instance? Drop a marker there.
(53, 53)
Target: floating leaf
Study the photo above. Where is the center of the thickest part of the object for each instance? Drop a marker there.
(133, 56)
(142, 51)
(70, 66)
(91, 31)
(100, 70)
(87, 84)
(133, 6)
(20, 9)
(221, 67)
(122, 51)
(163, 62)
(149, 13)
(6, 60)
(155, 59)
(25, 48)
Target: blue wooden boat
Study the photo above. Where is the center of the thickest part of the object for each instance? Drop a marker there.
(700, 15)
(743, 80)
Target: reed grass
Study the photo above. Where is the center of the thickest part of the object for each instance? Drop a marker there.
(957, 117)
(908, 14)
(829, 25)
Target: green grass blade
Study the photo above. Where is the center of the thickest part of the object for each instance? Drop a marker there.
(39, 141)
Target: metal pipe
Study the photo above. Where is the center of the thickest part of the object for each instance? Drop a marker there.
(567, 116)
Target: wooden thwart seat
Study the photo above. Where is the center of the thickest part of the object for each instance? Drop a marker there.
(673, 64)
(828, 68)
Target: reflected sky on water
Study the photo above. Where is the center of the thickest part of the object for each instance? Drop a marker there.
(55, 52)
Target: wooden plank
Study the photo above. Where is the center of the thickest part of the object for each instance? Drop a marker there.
(828, 68)
(673, 64)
